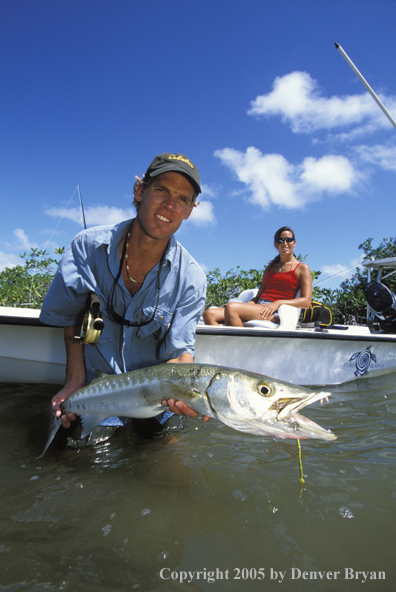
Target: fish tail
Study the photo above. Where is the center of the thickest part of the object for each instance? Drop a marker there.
(54, 427)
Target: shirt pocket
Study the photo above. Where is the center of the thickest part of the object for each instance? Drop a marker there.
(158, 326)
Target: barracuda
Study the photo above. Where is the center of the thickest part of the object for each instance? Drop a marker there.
(245, 401)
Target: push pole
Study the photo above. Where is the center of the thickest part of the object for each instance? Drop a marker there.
(366, 84)
(83, 222)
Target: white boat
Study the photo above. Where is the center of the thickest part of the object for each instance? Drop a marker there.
(29, 351)
(33, 353)
(301, 356)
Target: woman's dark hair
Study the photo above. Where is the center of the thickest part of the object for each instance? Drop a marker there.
(279, 232)
(276, 240)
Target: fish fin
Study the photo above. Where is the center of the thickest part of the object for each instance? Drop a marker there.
(98, 375)
(54, 427)
(89, 423)
(185, 395)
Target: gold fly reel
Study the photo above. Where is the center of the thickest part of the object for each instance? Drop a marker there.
(89, 335)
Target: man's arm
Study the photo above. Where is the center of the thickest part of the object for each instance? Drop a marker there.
(185, 358)
(75, 373)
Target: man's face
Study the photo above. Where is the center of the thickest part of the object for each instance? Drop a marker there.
(164, 204)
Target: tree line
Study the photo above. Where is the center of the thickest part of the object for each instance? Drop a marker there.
(26, 285)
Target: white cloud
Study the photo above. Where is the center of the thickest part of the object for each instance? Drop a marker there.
(339, 270)
(297, 99)
(20, 245)
(9, 260)
(208, 191)
(95, 216)
(202, 215)
(336, 269)
(23, 241)
(99, 215)
(204, 268)
(383, 156)
(331, 173)
(271, 179)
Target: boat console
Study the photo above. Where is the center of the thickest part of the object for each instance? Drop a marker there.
(381, 301)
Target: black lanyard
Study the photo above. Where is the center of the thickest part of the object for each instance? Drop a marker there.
(116, 316)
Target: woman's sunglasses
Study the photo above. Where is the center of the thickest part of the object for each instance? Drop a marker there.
(288, 239)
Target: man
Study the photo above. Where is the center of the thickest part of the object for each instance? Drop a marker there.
(151, 291)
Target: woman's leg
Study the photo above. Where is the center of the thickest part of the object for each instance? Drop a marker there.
(213, 316)
(236, 313)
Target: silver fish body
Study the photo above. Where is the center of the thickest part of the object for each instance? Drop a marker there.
(245, 401)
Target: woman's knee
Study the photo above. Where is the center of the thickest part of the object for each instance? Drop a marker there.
(231, 309)
(213, 315)
(206, 315)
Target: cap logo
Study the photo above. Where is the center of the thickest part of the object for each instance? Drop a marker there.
(183, 158)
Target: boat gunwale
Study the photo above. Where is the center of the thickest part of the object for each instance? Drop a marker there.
(301, 333)
(296, 334)
(24, 321)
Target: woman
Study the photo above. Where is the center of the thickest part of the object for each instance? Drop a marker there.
(282, 279)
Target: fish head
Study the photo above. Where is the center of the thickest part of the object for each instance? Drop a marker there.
(261, 405)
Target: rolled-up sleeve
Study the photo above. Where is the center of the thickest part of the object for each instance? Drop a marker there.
(66, 299)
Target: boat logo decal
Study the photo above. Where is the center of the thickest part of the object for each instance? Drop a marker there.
(363, 360)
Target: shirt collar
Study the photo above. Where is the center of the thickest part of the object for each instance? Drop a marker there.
(112, 236)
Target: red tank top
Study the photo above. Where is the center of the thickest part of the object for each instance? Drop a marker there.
(281, 286)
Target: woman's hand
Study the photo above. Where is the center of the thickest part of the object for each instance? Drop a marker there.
(267, 311)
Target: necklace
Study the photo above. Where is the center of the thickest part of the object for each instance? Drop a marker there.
(126, 258)
(115, 315)
(280, 265)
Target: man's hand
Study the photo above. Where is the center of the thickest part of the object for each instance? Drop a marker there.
(58, 399)
(75, 373)
(179, 407)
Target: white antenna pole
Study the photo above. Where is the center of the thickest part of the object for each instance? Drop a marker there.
(366, 84)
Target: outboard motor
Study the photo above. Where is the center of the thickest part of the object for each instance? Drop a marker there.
(383, 303)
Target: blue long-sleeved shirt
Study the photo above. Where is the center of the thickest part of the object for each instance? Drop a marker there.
(91, 264)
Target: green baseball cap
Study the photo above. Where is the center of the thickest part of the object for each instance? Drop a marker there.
(167, 162)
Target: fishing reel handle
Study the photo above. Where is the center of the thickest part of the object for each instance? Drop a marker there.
(92, 324)
(95, 305)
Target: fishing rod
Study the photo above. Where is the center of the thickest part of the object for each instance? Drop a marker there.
(366, 84)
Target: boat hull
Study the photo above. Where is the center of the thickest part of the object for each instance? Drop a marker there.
(300, 357)
(33, 353)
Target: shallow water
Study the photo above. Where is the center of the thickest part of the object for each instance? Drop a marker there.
(134, 514)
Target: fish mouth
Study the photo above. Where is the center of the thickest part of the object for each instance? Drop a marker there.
(288, 413)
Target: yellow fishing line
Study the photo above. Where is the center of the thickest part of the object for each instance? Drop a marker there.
(300, 465)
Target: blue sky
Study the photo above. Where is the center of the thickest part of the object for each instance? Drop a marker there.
(253, 91)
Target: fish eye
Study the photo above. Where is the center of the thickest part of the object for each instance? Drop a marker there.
(265, 389)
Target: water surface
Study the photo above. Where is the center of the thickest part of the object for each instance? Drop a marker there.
(133, 514)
